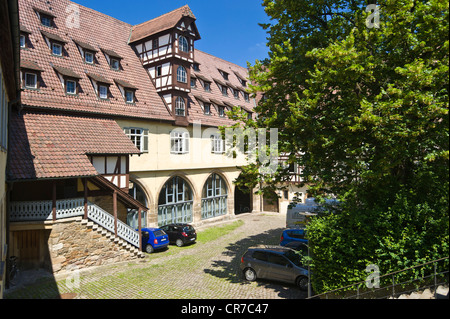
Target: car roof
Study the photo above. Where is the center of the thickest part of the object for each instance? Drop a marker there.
(272, 248)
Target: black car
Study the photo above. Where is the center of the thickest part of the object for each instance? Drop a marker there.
(180, 234)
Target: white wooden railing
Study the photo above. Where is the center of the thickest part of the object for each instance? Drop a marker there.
(42, 211)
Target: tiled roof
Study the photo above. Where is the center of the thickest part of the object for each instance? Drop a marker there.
(56, 146)
(98, 31)
(209, 71)
(161, 23)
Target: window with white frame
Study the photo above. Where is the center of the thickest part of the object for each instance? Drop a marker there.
(129, 96)
(23, 41)
(88, 57)
(71, 87)
(139, 137)
(183, 44)
(30, 80)
(102, 91)
(56, 49)
(217, 144)
(179, 142)
(181, 74)
(180, 106)
(207, 108)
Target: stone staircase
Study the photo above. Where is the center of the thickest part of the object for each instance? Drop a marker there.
(111, 236)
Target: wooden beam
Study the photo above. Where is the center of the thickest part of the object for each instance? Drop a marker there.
(54, 201)
(85, 198)
(115, 211)
(140, 227)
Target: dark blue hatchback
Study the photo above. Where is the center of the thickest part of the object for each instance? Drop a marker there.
(153, 239)
(290, 235)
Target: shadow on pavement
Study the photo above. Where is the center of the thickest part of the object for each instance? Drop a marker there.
(229, 270)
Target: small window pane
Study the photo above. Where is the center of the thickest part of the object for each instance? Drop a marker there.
(129, 96)
(103, 92)
(56, 49)
(71, 87)
(89, 57)
(30, 80)
(22, 41)
(114, 64)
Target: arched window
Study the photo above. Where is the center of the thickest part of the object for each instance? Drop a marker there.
(181, 74)
(214, 197)
(175, 203)
(183, 44)
(180, 106)
(132, 214)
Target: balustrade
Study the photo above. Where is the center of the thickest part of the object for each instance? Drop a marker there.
(66, 208)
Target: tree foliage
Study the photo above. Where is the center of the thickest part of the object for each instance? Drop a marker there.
(367, 108)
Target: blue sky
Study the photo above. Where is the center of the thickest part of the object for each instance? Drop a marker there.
(229, 29)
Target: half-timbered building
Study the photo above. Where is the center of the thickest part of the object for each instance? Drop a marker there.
(118, 129)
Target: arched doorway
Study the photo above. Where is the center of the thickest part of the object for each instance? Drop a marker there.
(214, 197)
(132, 214)
(175, 202)
(270, 202)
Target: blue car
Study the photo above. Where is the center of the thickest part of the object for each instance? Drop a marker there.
(290, 235)
(154, 239)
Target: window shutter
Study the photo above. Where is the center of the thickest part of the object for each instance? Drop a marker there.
(186, 142)
(145, 141)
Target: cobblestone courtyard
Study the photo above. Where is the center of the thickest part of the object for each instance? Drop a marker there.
(207, 270)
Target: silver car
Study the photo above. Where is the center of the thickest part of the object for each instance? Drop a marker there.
(275, 263)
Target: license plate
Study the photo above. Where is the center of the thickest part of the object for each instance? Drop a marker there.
(163, 239)
(192, 238)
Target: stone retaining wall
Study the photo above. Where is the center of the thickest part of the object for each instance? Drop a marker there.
(73, 245)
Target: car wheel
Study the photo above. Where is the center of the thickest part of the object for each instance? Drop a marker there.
(179, 242)
(302, 283)
(149, 249)
(250, 274)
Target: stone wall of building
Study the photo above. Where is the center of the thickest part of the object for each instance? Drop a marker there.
(73, 245)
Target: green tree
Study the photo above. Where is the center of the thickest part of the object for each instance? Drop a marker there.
(367, 107)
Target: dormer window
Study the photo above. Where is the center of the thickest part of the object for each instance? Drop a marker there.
(114, 64)
(87, 51)
(102, 91)
(88, 57)
(224, 74)
(236, 94)
(24, 33)
(30, 74)
(55, 43)
(207, 108)
(46, 18)
(183, 44)
(69, 79)
(30, 80)
(113, 59)
(71, 86)
(23, 41)
(224, 90)
(196, 66)
(101, 85)
(222, 111)
(129, 96)
(128, 90)
(56, 49)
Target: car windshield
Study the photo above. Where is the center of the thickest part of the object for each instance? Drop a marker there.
(159, 232)
(295, 258)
